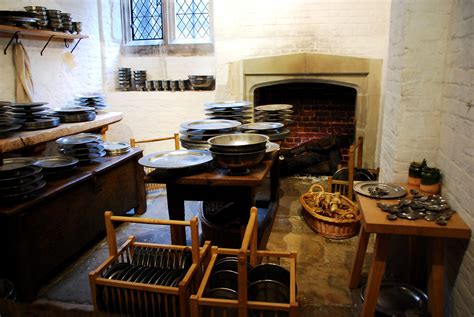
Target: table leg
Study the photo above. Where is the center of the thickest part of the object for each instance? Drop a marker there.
(376, 272)
(359, 258)
(436, 281)
(176, 212)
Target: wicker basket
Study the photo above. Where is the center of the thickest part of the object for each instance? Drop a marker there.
(334, 228)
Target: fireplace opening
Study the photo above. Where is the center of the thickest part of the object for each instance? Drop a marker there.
(323, 126)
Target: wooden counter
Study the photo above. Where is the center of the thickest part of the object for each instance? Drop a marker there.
(23, 139)
(45, 233)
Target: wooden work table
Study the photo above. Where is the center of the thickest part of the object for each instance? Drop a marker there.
(26, 139)
(374, 221)
(44, 233)
(216, 184)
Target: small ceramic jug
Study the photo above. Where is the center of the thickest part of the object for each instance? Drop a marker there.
(430, 180)
(414, 173)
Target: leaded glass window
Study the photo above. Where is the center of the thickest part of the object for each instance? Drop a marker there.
(152, 22)
(192, 19)
(147, 19)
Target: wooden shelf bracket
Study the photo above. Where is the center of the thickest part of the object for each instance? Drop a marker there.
(14, 36)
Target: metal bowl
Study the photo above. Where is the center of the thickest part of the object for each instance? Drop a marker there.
(238, 161)
(238, 143)
(201, 82)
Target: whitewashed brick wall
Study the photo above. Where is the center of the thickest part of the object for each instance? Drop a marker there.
(429, 83)
(55, 81)
(455, 155)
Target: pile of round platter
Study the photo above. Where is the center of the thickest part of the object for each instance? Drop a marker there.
(194, 134)
(274, 113)
(35, 115)
(124, 79)
(7, 122)
(116, 148)
(56, 166)
(86, 147)
(276, 131)
(40, 14)
(94, 100)
(20, 179)
(139, 78)
(229, 110)
(75, 114)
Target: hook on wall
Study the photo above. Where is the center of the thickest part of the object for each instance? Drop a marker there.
(76, 45)
(49, 40)
(14, 36)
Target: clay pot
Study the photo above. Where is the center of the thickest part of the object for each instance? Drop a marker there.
(430, 180)
(414, 173)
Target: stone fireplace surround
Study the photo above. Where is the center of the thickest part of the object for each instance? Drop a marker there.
(362, 74)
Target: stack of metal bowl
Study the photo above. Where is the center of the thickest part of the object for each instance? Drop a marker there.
(194, 134)
(124, 79)
(139, 78)
(238, 152)
(54, 20)
(41, 15)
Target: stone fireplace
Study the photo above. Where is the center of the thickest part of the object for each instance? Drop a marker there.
(323, 74)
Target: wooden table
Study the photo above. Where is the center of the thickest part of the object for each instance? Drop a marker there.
(217, 185)
(43, 234)
(374, 221)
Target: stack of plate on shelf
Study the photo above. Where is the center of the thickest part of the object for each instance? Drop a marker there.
(20, 179)
(66, 21)
(56, 166)
(276, 131)
(40, 14)
(94, 100)
(274, 113)
(7, 122)
(230, 110)
(87, 148)
(54, 20)
(116, 148)
(124, 79)
(35, 115)
(22, 19)
(139, 77)
(194, 134)
(75, 114)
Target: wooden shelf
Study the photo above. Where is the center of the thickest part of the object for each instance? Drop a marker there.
(7, 31)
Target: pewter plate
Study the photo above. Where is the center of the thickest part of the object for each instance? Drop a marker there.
(392, 190)
(28, 104)
(211, 124)
(76, 139)
(176, 159)
(227, 104)
(274, 107)
(14, 163)
(262, 126)
(56, 161)
(116, 146)
(73, 109)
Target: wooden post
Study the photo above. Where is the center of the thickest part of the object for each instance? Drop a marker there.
(436, 280)
(111, 238)
(359, 258)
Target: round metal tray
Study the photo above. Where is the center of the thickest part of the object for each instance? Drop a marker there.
(227, 104)
(28, 104)
(116, 148)
(210, 124)
(76, 139)
(274, 107)
(391, 190)
(15, 163)
(262, 126)
(176, 159)
(56, 162)
(75, 109)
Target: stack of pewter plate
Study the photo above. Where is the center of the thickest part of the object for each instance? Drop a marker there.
(276, 131)
(95, 100)
(20, 179)
(116, 148)
(7, 122)
(139, 78)
(56, 166)
(41, 15)
(75, 114)
(274, 113)
(194, 134)
(34, 115)
(86, 147)
(229, 110)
